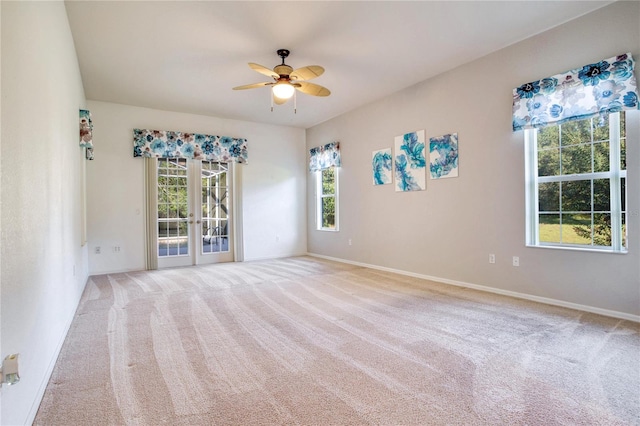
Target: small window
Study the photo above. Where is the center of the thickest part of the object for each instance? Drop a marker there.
(576, 184)
(327, 199)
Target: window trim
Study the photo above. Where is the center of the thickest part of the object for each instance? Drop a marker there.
(320, 196)
(614, 175)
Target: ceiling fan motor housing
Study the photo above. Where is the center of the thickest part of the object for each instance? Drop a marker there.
(283, 70)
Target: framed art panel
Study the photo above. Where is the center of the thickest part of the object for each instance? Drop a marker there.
(410, 163)
(443, 156)
(381, 167)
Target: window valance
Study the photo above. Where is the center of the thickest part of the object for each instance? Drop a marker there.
(168, 144)
(323, 157)
(594, 89)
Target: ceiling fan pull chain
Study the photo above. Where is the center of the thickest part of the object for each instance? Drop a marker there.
(271, 96)
(295, 103)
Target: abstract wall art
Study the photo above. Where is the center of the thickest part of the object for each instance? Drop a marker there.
(381, 166)
(443, 156)
(410, 163)
(86, 133)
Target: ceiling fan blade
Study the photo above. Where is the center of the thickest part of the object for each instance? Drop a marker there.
(279, 101)
(263, 70)
(253, 86)
(307, 73)
(312, 89)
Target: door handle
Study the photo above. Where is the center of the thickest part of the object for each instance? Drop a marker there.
(190, 222)
(197, 221)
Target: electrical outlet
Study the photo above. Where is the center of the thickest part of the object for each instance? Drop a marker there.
(516, 261)
(492, 258)
(97, 250)
(116, 249)
(9, 373)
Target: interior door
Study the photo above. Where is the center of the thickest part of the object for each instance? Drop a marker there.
(193, 212)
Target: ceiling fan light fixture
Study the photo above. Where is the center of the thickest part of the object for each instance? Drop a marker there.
(283, 90)
(286, 80)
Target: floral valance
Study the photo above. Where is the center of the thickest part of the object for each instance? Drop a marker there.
(325, 156)
(594, 89)
(86, 132)
(168, 144)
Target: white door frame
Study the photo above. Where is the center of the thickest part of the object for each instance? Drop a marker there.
(236, 248)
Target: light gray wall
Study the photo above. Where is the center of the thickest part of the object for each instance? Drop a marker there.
(273, 184)
(449, 230)
(44, 266)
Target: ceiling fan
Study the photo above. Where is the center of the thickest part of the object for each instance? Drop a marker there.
(286, 80)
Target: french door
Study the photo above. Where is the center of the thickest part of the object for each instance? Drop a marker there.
(193, 212)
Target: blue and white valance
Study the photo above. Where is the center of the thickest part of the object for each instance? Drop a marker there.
(168, 144)
(323, 157)
(594, 89)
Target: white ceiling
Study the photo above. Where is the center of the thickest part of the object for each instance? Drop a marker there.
(186, 56)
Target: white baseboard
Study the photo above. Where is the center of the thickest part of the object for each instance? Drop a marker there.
(115, 271)
(277, 256)
(545, 300)
(246, 259)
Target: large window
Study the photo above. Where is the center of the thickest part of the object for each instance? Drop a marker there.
(327, 199)
(576, 184)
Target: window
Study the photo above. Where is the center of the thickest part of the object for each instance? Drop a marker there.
(327, 199)
(576, 184)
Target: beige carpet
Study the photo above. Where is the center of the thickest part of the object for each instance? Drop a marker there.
(307, 341)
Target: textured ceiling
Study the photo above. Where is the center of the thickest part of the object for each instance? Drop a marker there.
(186, 56)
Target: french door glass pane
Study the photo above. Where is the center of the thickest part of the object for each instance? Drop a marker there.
(173, 231)
(215, 210)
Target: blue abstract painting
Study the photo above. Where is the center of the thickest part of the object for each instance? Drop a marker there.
(443, 156)
(410, 163)
(381, 164)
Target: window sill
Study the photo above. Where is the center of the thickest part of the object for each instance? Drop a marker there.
(327, 229)
(583, 249)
